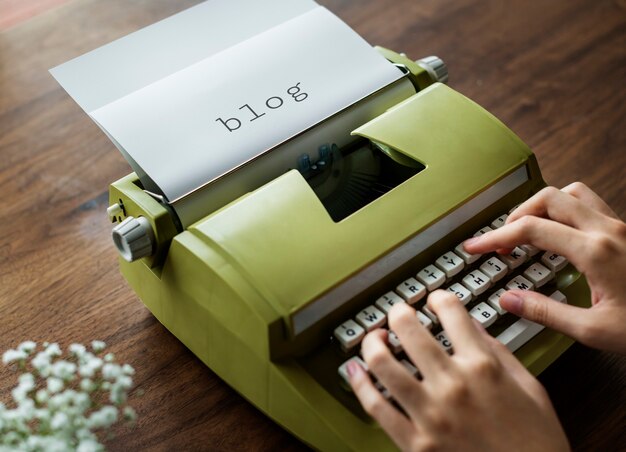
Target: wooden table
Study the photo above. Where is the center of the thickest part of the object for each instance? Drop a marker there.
(553, 71)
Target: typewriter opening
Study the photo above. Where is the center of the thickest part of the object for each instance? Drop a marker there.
(349, 178)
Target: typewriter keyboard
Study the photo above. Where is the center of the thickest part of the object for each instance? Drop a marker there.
(477, 280)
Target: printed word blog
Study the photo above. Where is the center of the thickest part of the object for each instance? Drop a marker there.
(294, 93)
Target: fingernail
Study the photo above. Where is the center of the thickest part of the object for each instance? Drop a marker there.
(512, 302)
(472, 241)
(352, 368)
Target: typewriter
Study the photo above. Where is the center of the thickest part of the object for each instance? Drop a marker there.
(273, 281)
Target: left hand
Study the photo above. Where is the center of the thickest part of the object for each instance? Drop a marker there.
(480, 398)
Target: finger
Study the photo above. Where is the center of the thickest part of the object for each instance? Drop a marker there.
(403, 386)
(590, 198)
(569, 320)
(540, 232)
(558, 206)
(456, 322)
(420, 346)
(513, 366)
(397, 426)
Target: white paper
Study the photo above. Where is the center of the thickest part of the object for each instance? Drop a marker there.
(275, 83)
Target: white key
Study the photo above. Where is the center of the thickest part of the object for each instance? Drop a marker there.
(519, 333)
(530, 250)
(516, 258)
(521, 283)
(394, 342)
(411, 290)
(515, 207)
(484, 313)
(538, 274)
(431, 315)
(431, 277)
(343, 369)
(410, 367)
(559, 296)
(494, 301)
(482, 231)
(553, 261)
(524, 330)
(386, 302)
(494, 268)
(371, 318)
(424, 320)
(349, 334)
(450, 263)
(462, 293)
(477, 282)
(443, 340)
(467, 257)
(499, 222)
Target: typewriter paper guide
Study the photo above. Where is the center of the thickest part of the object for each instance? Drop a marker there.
(200, 122)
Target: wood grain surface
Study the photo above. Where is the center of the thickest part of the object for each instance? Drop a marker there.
(553, 71)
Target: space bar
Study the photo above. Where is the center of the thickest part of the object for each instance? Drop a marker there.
(519, 333)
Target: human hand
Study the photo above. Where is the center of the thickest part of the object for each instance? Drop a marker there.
(480, 398)
(577, 224)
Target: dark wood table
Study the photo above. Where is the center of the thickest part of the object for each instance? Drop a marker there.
(555, 72)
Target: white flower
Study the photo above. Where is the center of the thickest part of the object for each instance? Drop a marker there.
(111, 371)
(128, 369)
(129, 414)
(103, 418)
(87, 385)
(53, 350)
(13, 355)
(89, 368)
(57, 398)
(63, 369)
(41, 362)
(77, 350)
(60, 421)
(27, 347)
(98, 346)
(54, 384)
(89, 445)
(41, 396)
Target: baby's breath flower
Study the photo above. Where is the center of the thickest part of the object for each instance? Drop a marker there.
(41, 362)
(13, 355)
(128, 369)
(54, 384)
(89, 368)
(77, 350)
(98, 346)
(111, 371)
(64, 370)
(41, 396)
(89, 445)
(54, 410)
(129, 414)
(53, 350)
(27, 347)
(103, 418)
(87, 385)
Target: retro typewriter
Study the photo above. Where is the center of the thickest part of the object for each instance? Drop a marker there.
(273, 281)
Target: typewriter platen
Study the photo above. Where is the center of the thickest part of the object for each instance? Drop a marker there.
(258, 286)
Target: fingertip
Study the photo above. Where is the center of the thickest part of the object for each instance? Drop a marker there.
(512, 302)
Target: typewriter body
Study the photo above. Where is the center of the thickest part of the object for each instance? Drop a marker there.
(257, 287)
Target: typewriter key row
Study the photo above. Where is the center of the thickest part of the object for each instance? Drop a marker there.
(467, 287)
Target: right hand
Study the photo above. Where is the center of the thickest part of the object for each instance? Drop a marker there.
(578, 224)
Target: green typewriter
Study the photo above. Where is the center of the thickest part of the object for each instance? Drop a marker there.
(272, 281)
